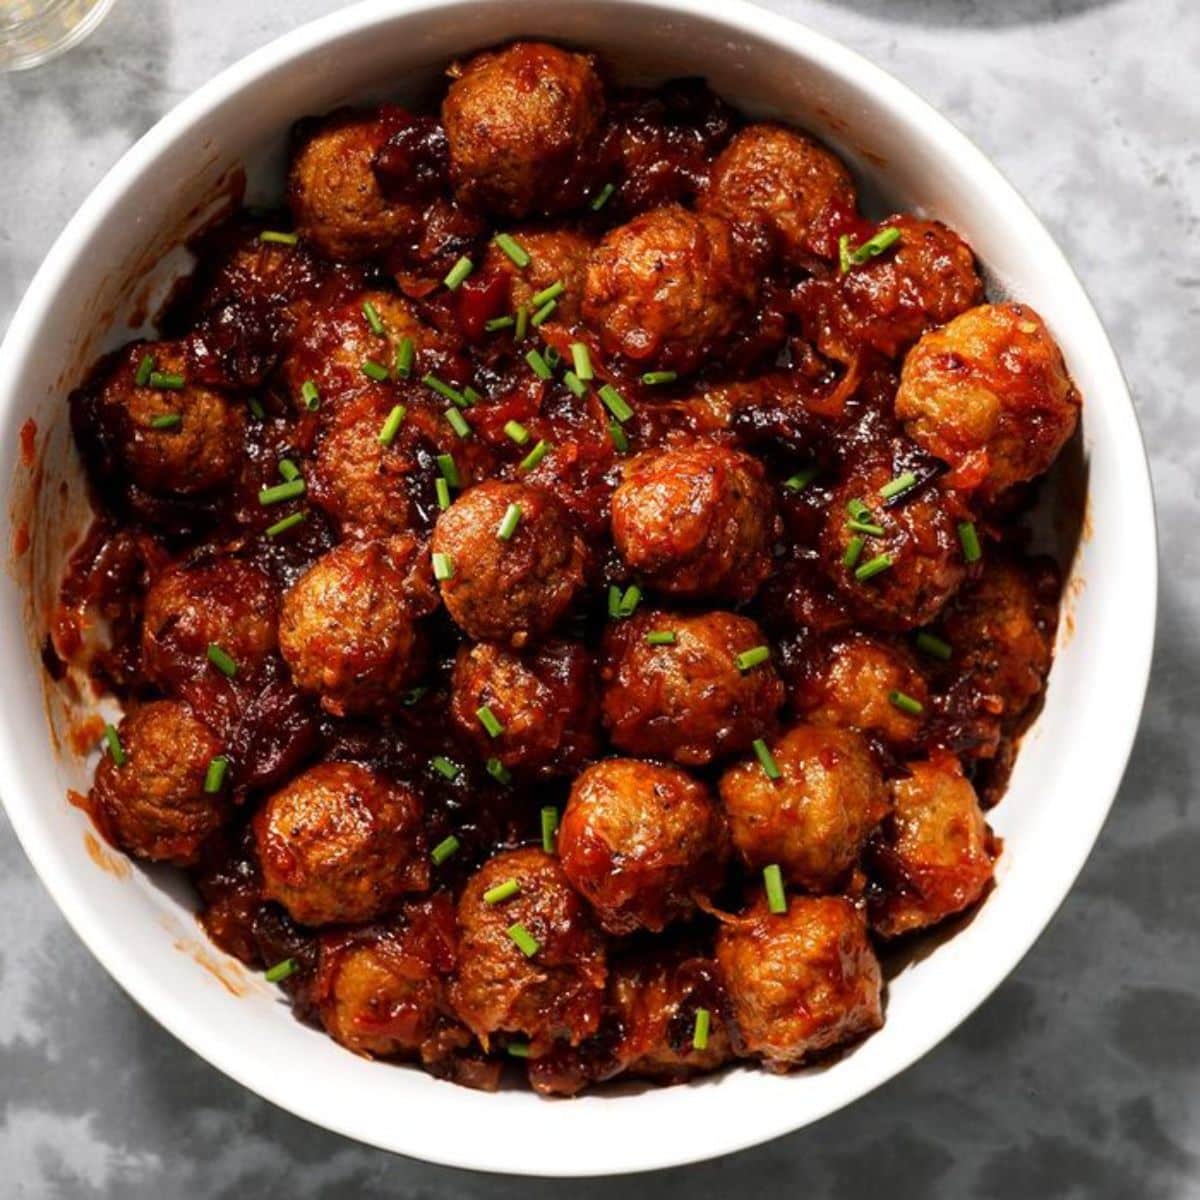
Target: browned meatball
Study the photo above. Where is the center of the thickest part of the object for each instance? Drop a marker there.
(668, 289)
(935, 853)
(333, 193)
(813, 820)
(696, 521)
(220, 601)
(922, 280)
(348, 626)
(556, 256)
(171, 440)
(802, 981)
(640, 841)
(920, 544)
(788, 181)
(553, 993)
(687, 699)
(154, 803)
(990, 395)
(340, 844)
(513, 589)
(522, 123)
(543, 700)
(863, 682)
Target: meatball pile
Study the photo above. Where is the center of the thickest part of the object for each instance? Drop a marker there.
(565, 575)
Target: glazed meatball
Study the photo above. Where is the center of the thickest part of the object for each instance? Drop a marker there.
(543, 700)
(640, 841)
(508, 589)
(934, 855)
(556, 256)
(669, 289)
(863, 682)
(170, 440)
(814, 819)
(686, 700)
(920, 544)
(555, 992)
(520, 123)
(802, 981)
(190, 606)
(990, 395)
(923, 280)
(154, 803)
(696, 522)
(348, 626)
(790, 183)
(340, 844)
(333, 193)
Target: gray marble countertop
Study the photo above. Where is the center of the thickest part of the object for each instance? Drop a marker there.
(1081, 1076)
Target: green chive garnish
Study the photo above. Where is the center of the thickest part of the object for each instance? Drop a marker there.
(857, 509)
(969, 538)
(442, 491)
(214, 777)
(444, 767)
(498, 771)
(508, 526)
(372, 315)
(867, 527)
(498, 323)
(444, 389)
(873, 246)
(619, 440)
(773, 882)
(900, 484)
(280, 971)
(471, 396)
(443, 566)
(282, 491)
(700, 1029)
(501, 892)
(458, 273)
(511, 247)
(547, 294)
(166, 421)
(444, 849)
(391, 427)
(543, 314)
(766, 759)
(623, 605)
(458, 423)
(535, 456)
(145, 370)
(449, 470)
(167, 381)
(278, 237)
(538, 364)
(906, 703)
(523, 939)
(549, 828)
(517, 1049)
(488, 720)
(517, 432)
(873, 567)
(405, 353)
(654, 378)
(221, 660)
(934, 646)
(615, 403)
(115, 750)
(660, 637)
(521, 328)
(577, 386)
(854, 549)
(801, 479)
(310, 395)
(603, 197)
(286, 523)
(749, 659)
(288, 469)
(256, 407)
(373, 370)
(581, 358)
(844, 263)
(553, 358)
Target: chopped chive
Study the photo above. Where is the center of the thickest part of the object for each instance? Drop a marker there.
(854, 549)
(488, 720)
(660, 637)
(873, 567)
(286, 523)
(547, 294)
(502, 891)
(603, 197)
(166, 421)
(621, 605)
(867, 527)
(458, 422)
(282, 491)
(517, 1049)
(444, 849)
(549, 828)
(221, 660)
(857, 509)
(443, 566)
(535, 456)
(373, 370)
(873, 246)
(471, 396)
(508, 526)
(934, 646)
(766, 759)
(900, 484)
(619, 440)
(372, 315)
(906, 703)
(543, 314)
(700, 1029)
(577, 386)
(498, 323)
(615, 403)
(278, 237)
(256, 407)
(553, 358)
(310, 395)
(581, 358)
(214, 777)
(773, 882)
(513, 249)
(654, 378)
(413, 695)
(391, 427)
(523, 939)
(444, 767)
(749, 659)
(405, 353)
(801, 479)
(498, 771)
(144, 370)
(444, 389)
(614, 601)
(969, 538)
(442, 490)
(168, 381)
(280, 971)
(521, 326)
(113, 741)
(538, 364)
(458, 273)
(517, 432)
(449, 470)
(288, 469)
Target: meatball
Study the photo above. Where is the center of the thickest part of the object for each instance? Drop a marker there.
(348, 626)
(670, 288)
(515, 588)
(555, 991)
(697, 521)
(799, 982)
(340, 844)
(919, 545)
(863, 682)
(521, 123)
(171, 440)
(935, 853)
(815, 817)
(544, 702)
(640, 841)
(333, 193)
(790, 183)
(686, 699)
(190, 606)
(990, 395)
(556, 256)
(153, 801)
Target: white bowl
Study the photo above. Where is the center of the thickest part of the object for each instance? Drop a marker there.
(89, 292)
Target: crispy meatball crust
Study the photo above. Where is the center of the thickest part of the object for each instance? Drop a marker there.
(697, 521)
(348, 626)
(789, 182)
(545, 701)
(639, 841)
(815, 818)
(519, 122)
(154, 804)
(800, 982)
(340, 844)
(686, 701)
(668, 289)
(512, 591)
(989, 394)
(557, 256)
(556, 993)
